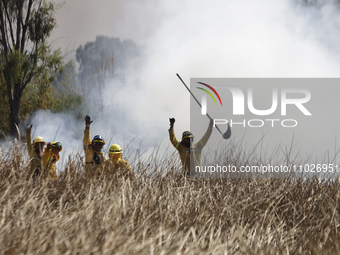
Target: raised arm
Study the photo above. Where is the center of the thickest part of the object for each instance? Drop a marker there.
(29, 140)
(87, 137)
(206, 136)
(172, 135)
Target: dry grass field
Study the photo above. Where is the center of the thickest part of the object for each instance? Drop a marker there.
(163, 214)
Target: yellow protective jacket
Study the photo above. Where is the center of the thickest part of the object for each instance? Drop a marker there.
(93, 159)
(184, 151)
(120, 166)
(49, 160)
(36, 160)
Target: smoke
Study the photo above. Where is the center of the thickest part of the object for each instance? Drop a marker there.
(237, 39)
(197, 39)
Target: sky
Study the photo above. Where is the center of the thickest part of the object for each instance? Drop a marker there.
(80, 21)
(225, 39)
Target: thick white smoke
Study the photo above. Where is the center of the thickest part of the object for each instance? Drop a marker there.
(198, 39)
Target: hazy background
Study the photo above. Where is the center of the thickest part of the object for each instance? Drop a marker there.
(195, 39)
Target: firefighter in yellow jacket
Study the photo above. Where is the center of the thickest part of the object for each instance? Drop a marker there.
(94, 156)
(50, 157)
(35, 152)
(115, 163)
(186, 146)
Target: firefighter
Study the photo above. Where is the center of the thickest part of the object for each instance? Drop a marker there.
(35, 152)
(94, 156)
(116, 165)
(186, 145)
(50, 157)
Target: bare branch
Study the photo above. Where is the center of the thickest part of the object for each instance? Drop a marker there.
(2, 28)
(8, 44)
(10, 25)
(24, 27)
(19, 21)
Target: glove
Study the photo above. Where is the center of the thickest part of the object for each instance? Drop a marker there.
(49, 146)
(172, 121)
(88, 121)
(29, 129)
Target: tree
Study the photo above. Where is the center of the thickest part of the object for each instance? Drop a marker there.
(25, 56)
(111, 53)
(101, 61)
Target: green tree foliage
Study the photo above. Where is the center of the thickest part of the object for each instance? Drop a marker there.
(61, 96)
(66, 97)
(27, 61)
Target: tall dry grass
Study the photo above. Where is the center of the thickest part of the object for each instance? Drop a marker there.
(163, 214)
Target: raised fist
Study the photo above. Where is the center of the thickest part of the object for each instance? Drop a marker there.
(88, 121)
(172, 121)
(49, 145)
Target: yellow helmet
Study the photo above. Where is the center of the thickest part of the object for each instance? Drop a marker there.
(114, 149)
(58, 145)
(38, 139)
(187, 134)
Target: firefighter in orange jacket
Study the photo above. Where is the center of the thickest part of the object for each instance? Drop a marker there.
(50, 157)
(35, 152)
(186, 146)
(94, 156)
